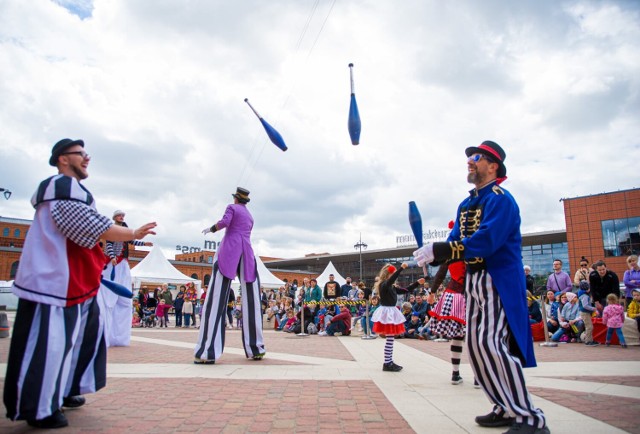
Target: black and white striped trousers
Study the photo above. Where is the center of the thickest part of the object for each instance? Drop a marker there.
(55, 352)
(498, 371)
(212, 330)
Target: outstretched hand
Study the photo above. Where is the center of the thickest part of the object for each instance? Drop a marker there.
(144, 230)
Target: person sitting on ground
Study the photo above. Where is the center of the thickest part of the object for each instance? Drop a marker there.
(320, 316)
(289, 325)
(308, 319)
(411, 328)
(633, 310)
(554, 305)
(587, 310)
(570, 322)
(340, 323)
(535, 314)
(271, 310)
(424, 331)
(420, 306)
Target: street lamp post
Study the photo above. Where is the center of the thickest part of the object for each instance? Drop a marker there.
(360, 245)
(6, 193)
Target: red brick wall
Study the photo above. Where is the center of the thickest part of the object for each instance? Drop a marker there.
(583, 216)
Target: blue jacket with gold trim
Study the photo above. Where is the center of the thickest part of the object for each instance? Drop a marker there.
(487, 236)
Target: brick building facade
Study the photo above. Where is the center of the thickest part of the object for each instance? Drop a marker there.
(603, 226)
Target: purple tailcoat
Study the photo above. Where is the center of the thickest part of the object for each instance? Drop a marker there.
(236, 243)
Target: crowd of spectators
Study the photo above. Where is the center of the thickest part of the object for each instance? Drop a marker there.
(570, 306)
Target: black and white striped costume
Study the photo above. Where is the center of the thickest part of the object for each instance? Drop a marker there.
(57, 347)
(117, 310)
(486, 235)
(212, 326)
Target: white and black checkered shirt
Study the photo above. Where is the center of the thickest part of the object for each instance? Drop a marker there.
(79, 222)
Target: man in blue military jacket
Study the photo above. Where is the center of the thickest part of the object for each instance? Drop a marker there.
(486, 235)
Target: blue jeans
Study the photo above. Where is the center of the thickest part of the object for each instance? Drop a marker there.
(178, 317)
(618, 331)
(187, 319)
(558, 334)
(336, 327)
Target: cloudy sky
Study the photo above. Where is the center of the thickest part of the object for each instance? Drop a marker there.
(156, 90)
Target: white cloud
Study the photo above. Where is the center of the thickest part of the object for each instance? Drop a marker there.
(156, 89)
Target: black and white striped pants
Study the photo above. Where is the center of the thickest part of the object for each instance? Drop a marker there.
(55, 352)
(212, 330)
(498, 371)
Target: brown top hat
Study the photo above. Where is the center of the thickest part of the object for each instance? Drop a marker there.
(242, 194)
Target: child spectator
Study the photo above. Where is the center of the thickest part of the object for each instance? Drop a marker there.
(322, 313)
(237, 312)
(412, 326)
(633, 311)
(586, 312)
(135, 320)
(290, 322)
(552, 306)
(187, 311)
(271, 310)
(613, 318)
(535, 313)
(178, 303)
(360, 310)
(161, 309)
(366, 328)
(570, 323)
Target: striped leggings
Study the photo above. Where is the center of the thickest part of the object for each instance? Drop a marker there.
(55, 352)
(497, 370)
(212, 326)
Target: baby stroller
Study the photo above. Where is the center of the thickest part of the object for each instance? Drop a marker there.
(148, 317)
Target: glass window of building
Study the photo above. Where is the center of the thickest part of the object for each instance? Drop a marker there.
(5, 232)
(16, 233)
(621, 237)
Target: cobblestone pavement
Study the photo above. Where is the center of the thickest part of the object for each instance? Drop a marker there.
(336, 384)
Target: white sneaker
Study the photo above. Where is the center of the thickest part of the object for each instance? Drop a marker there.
(322, 333)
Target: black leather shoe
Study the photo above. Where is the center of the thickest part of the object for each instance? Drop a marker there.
(56, 420)
(391, 367)
(73, 401)
(493, 420)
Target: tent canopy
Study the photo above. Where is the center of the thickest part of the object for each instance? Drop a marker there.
(324, 277)
(155, 268)
(267, 279)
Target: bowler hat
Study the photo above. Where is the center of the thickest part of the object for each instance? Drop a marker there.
(242, 194)
(493, 151)
(59, 148)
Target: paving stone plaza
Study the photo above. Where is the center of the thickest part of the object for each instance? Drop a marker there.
(336, 384)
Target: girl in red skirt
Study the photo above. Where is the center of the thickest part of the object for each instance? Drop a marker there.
(387, 319)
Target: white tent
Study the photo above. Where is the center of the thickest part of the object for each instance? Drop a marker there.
(155, 268)
(267, 279)
(324, 277)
